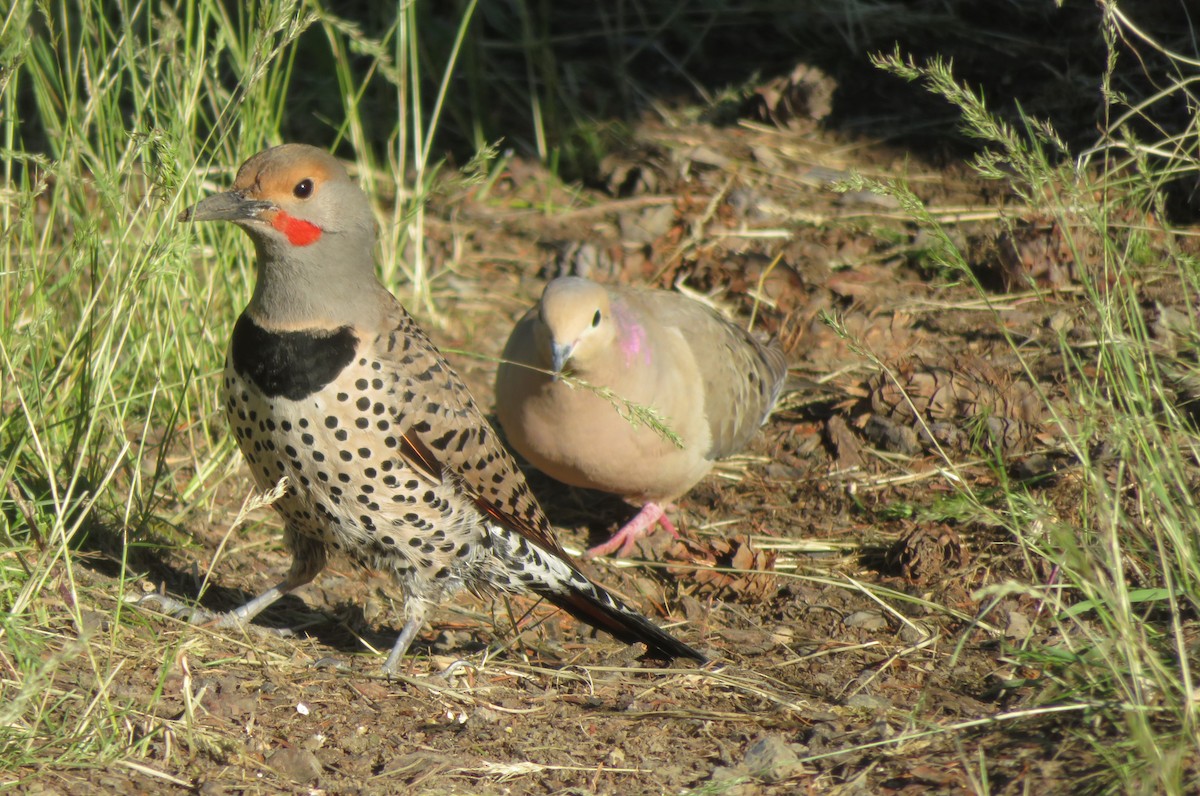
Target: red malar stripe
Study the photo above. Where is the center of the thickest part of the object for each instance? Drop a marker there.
(299, 233)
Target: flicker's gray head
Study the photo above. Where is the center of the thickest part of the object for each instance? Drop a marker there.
(575, 322)
(293, 194)
(313, 230)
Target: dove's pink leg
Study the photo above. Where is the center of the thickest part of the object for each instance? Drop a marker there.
(641, 526)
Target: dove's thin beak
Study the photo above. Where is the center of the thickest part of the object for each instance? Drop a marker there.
(560, 354)
(228, 206)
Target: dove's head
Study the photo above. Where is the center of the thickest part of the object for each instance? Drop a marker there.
(575, 324)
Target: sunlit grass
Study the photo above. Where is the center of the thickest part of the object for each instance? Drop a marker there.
(113, 323)
(1126, 559)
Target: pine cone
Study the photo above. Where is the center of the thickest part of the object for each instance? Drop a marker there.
(754, 581)
(976, 401)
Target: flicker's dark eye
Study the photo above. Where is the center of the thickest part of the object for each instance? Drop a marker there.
(303, 189)
(596, 319)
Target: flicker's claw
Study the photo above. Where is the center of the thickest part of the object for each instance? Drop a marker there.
(450, 672)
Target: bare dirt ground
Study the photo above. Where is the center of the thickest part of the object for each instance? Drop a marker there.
(847, 612)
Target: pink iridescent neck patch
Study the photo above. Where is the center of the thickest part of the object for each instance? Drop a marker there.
(631, 337)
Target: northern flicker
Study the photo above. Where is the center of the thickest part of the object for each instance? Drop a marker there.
(331, 384)
(712, 383)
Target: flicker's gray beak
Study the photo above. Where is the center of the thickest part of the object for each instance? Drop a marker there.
(560, 354)
(228, 206)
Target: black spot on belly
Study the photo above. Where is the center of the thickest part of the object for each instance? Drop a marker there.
(291, 364)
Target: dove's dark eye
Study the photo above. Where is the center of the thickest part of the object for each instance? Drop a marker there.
(596, 318)
(303, 189)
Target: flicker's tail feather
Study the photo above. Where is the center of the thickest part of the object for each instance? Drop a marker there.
(592, 604)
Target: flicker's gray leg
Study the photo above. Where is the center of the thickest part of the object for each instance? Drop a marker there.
(244, 614)
(641, 526)
(308, 559)
(403, 642)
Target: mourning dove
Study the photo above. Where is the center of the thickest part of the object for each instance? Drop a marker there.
(711, 383)
(332, 386)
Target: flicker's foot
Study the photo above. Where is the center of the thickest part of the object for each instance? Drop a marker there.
(641, 526)
(196, 615)
(172, 607)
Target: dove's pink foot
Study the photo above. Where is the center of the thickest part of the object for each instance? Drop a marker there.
(641, 526)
